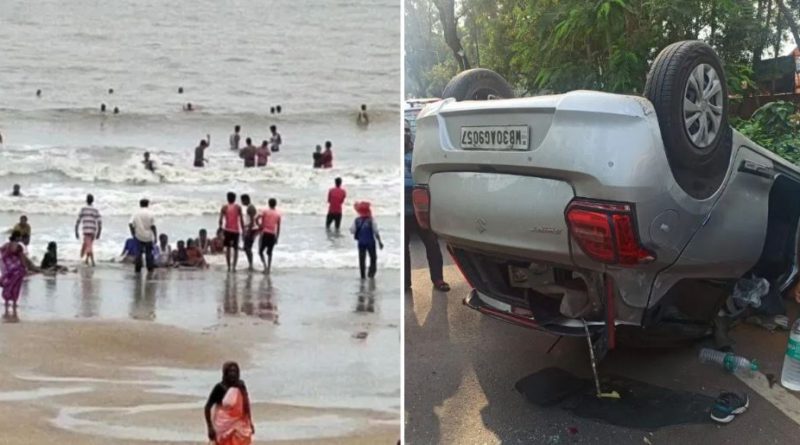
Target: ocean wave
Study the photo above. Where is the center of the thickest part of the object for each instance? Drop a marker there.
(123, 204)
(93, 165)
(169, 113)
(300, 259)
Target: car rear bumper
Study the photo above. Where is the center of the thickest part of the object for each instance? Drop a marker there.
(502, 311)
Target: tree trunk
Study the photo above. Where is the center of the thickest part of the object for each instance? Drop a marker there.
(474, 32)
(787, 15)
(758, 48)
(447, 17)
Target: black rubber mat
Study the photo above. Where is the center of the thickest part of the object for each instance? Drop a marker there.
(640, 406)
(550, 386)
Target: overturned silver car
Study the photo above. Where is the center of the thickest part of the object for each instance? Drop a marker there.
(617, 213)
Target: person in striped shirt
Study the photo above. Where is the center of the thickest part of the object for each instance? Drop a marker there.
(89, 220)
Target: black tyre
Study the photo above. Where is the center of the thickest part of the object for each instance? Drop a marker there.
(477, 84)
(686, 84)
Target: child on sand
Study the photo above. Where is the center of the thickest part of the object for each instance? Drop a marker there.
(218, 243)
(130, 252)
(365, 231)
(179, 255)
(194, 256)
(162, 252)
(50, 260)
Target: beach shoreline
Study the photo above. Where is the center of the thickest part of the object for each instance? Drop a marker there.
(107, 355)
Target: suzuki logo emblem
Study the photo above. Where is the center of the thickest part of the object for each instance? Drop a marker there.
(480, 224)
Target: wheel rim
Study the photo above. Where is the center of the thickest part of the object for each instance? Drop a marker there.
(485, 94)
(702, 105)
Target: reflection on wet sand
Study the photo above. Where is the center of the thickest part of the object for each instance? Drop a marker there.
(366, 296)
(140, 369)
(143, 305)
(88, 293)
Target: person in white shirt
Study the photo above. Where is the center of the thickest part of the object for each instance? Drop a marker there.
(143, 229)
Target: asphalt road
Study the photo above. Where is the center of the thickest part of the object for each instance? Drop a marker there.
(461, 367)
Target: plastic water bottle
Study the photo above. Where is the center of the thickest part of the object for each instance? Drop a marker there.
(790, 376)
(732, 363)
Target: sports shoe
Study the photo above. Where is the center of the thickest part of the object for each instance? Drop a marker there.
(728, 405)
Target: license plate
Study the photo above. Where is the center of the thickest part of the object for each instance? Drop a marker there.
(497, 137)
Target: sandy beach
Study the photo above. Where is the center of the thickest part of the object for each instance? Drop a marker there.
(103, 356)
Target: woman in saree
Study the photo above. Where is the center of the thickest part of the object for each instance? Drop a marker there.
(14, 270)
(228, 410)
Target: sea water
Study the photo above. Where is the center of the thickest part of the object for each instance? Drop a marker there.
(234, 62)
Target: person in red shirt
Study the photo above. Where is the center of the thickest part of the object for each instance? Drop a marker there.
(327, 155)
(231, 216)
(336, 196)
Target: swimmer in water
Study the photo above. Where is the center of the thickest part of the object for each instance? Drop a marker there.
(262, 154)
(199, 152)
(110, 91)
(235, 138)
(275, 140)
(15, 191)
(271, 110)
(116, 110)
(188, 107)
(38, 93)
(1, 138)
(278, 109)
(180, 90)
(148, 163)
(248, 153)
(327, 155)
(363, 118)
(102, 108)
(317, 156)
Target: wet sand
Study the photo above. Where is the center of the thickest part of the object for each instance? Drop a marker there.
(100, 356)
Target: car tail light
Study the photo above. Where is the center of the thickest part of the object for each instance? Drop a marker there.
(606, 232)
(422, 206)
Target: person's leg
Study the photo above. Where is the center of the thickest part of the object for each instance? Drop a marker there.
(235, 252)
(373, 261)
(269, 252)
(407, 253)
(338, 219)
(434, 254)
(328, 221)
(148, 255)
(90, 250)
(362, 254)
(262, 246)
(227, 244)
(138, 262)
(248, 250)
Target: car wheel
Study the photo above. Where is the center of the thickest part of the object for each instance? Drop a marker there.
(687, 87)
(477, 84)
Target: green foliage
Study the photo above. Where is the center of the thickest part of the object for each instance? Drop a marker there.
(776, 127)
(608, 45)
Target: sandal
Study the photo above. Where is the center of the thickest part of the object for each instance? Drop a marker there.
(441, 286)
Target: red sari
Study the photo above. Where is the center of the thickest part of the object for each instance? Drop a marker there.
(231, 423)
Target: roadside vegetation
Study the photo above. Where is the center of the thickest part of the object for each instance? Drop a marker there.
(553, 46)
